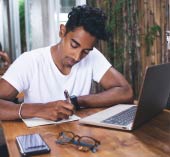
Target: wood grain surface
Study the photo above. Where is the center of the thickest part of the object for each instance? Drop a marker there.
(150, 140)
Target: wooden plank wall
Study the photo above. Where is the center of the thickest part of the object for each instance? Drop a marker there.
(154, 13)
(140, 18)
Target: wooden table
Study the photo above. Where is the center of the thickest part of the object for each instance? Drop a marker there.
(150, 140)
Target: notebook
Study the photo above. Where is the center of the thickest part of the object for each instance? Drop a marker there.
(153, 98)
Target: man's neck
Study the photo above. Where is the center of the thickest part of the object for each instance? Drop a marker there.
(56, 56)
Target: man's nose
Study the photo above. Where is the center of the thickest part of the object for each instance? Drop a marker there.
(77, 55)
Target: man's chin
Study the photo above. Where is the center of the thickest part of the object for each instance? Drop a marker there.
(71, 65)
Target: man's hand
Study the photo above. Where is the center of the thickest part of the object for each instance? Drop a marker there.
(52, 110)
(5, 58)
(56, 110)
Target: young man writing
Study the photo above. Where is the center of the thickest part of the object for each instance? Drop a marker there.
(44, 74)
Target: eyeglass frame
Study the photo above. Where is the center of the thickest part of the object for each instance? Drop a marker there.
(73, 140)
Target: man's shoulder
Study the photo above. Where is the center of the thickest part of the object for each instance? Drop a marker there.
(95, 54)
(90, 58)
(36, 53)
(95, 50)
(39, 50)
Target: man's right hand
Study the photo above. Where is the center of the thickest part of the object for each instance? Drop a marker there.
(56, 110)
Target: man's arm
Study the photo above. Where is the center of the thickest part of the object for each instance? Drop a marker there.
(117, 90)
(10, 111)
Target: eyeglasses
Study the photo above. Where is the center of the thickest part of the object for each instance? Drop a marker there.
(84, 143)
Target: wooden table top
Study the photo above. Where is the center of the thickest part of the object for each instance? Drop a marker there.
(150, 140)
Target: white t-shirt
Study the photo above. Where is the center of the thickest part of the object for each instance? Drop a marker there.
(35, 74)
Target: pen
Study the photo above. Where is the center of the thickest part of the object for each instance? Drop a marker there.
(66, 94)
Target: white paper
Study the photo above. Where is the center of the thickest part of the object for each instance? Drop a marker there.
(32, 122)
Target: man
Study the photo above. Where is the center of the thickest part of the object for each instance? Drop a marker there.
(44, 74)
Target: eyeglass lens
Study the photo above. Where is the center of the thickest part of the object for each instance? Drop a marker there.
(84, 143)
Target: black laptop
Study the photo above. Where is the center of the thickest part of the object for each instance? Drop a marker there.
(153, 98)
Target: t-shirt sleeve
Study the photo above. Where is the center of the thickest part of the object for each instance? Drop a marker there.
(100, 65)
(17, 74)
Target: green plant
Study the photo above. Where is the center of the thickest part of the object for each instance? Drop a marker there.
(115, 29)
(151, 35)
(22, 24)
(121, 25)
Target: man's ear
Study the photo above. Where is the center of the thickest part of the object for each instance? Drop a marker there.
(62, 31)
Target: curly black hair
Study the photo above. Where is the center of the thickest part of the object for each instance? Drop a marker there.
(93, 20)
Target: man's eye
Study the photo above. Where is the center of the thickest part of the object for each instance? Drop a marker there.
(74, 45)
(86, 52)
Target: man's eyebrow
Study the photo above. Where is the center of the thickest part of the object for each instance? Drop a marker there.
(79, 44)
(76, 42)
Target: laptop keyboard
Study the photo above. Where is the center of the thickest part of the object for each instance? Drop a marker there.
(122, 118)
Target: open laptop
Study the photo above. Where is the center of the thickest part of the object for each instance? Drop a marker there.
(153, 98)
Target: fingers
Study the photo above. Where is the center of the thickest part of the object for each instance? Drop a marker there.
(65, 111)
(58, 110)
(5, 57)
(62, 116)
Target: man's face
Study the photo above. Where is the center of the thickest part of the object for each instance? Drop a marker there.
(75, 45)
